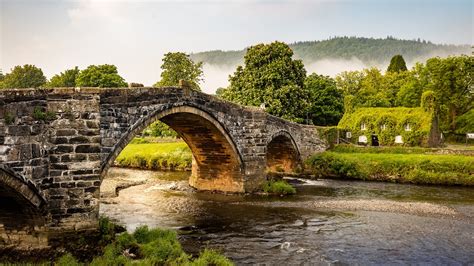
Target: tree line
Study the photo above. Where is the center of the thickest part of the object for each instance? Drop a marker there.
(371, 51)
(270, 77)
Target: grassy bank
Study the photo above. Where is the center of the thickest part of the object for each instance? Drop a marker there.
(401, 165)
(111, 245)
(155, 156)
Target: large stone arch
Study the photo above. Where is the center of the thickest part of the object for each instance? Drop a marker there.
(282, 153)
(217, 163)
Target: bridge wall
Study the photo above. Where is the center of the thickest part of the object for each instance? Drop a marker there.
(63, 140)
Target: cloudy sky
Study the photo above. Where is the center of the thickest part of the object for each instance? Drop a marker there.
(134, 34)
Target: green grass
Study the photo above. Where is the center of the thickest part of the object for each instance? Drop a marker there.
(280, 187)
(148, 247)
(156, 156)
(395, 167)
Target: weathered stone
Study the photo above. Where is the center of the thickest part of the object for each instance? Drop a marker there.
(58, 165)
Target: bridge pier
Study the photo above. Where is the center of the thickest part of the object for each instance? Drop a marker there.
(59, 143)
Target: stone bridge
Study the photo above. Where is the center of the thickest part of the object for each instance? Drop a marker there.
(57, 144)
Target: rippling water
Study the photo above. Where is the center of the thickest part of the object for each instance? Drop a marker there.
(327, 222)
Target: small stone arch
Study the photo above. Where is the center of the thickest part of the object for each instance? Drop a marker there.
(24, 188)
(22, 212)
(282, 153)
(217, 163)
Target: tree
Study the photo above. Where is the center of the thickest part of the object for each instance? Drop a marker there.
(178, 66)
(27, 76)
(451, 80)
(270, 76)
(326, 102)
(397, 64)
(64, 79)
(100, 76)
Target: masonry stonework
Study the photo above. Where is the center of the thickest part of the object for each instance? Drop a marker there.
(57, 144)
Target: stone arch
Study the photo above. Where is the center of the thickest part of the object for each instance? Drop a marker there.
(282, 153)
(217, 163)
(22, 212)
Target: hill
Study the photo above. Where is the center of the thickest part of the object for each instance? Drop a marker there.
(370, 51)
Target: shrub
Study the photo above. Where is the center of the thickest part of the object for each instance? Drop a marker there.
(211, 257)
(279, 187)
(67, 260)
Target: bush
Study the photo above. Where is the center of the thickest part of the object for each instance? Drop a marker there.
(211, 257)
(67, 260)
(279, 187)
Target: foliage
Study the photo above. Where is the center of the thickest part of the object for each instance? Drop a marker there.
(40, 115)
(27, 76)
(159, 129)
(272, 77)
(397, 64)
(280, 187)
(403, 168)
(67, 260)
(368, 50)
(394, 120)
(451, 80)
(179, 66)
(9, 118)
(326, 102)
(154, 156)
(100, 76)
(465, 123)
(153, 247)
(64, 79)
(211, 257)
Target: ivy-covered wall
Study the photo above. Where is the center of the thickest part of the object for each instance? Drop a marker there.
(387, 123)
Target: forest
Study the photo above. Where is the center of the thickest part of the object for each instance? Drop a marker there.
(370, 51)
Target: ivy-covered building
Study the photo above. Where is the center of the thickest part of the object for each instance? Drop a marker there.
(391, 126)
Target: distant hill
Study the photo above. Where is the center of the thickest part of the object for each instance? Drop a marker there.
(372, 52)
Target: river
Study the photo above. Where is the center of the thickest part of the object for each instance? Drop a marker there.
(327, 222)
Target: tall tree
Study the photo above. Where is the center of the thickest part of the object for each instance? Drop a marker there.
(100, 76)
(451, 80)
(178, 66)
(326, 102)
(397, 64)
(64, 79)
(27, 76)
(270, 76)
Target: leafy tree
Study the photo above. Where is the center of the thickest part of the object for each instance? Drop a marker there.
(451, 80)
(159, 129)
(27, 76)
(272, 77)
(177, 66)
(64, 79)
(326, 102)
(397, 64)
(100, 76)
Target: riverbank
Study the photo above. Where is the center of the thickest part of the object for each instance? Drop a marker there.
(143, 154)
(327, 220)
(401, 165)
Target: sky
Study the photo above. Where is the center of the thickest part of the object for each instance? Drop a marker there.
(134, 34)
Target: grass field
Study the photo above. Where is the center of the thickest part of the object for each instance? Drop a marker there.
(156, 156)
(404, 166)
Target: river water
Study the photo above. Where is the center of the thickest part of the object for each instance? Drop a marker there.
(327, 222)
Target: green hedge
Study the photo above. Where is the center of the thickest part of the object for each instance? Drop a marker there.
(394, 119)
(403, 168)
